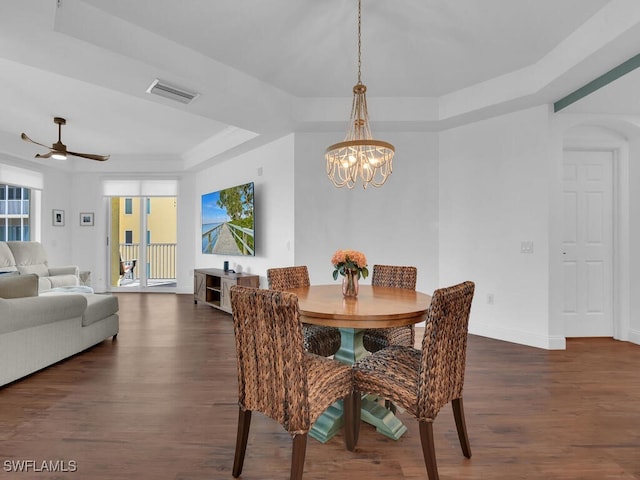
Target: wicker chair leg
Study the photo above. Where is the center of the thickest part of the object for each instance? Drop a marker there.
(357, 413)
(461, 426)
(355, 424)
(428, 449)
(389, 405)
(348, 428)
(297, 456)
(244, 422)
(351, 427)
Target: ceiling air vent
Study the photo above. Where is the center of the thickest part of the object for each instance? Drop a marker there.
(158, 87)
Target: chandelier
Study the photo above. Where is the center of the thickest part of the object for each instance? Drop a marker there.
(359, 155)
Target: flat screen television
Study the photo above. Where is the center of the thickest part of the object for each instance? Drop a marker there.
(227, 221)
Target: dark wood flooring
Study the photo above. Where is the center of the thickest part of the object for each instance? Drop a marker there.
(160, 403)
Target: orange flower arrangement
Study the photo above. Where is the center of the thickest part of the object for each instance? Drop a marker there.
(344, 260)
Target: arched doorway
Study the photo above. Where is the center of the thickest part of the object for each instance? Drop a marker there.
(594, 290)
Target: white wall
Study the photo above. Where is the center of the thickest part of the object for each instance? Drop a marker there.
(55, 195)
(458, 206)
(577, 134)
(188, 222)
(395, 224)
(494, 194)
(270, 167)
(56, 186)
(89, 244)
(86, 246)
(634, 239)
(622, 136)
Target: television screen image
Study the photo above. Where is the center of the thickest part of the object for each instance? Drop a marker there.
(227, 221)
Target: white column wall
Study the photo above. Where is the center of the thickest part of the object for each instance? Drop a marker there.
(634, 239)
(395, 224)
(494, 194)
(90, 250)
(188, 222)
(55, 195)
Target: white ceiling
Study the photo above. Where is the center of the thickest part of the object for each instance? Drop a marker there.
(410, 48)
(264, 68)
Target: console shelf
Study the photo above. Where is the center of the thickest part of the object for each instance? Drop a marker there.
(212, 286)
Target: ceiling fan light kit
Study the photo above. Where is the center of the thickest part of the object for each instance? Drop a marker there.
(58, 151)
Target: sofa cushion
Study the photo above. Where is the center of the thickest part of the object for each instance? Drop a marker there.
(30, 257)
(40, 269)
(63, 281)
(18, 286)
(22, 313)
(7, 262)
(99, 307)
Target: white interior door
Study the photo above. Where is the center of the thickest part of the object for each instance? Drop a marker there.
(587, 243)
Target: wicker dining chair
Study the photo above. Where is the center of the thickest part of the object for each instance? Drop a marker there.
(423, 381)
(375, 339)
(277, 377)
(324, 341)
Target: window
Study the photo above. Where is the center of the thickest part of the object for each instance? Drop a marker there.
(128, 236)
(128, 207)
(14, 213)
(148, 237)
(148, 206)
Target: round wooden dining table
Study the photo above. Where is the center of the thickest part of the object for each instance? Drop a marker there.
(374, 307)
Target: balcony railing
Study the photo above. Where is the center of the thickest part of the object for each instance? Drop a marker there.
(14, 207)
(161, 259)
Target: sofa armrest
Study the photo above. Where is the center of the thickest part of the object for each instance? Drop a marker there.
(17, 286)
(65, 270)
(19, 313)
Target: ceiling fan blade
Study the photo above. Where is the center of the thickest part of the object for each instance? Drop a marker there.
(27, 139)
(90, 156)
(59, 149)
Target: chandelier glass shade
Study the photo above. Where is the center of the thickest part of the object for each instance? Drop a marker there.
(359, 156)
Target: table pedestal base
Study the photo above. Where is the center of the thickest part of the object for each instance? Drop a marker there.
(331, 421)
(328, 424)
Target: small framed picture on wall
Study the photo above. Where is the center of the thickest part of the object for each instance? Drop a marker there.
(57, 218)
(86, 219)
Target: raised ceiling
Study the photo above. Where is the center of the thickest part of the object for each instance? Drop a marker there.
(265, 68)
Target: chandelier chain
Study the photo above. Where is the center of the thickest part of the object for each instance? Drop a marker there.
(359, 42)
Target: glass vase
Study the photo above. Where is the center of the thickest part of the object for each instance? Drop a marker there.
(350, 285)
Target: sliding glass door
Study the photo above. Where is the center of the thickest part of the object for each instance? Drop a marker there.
(143, 243)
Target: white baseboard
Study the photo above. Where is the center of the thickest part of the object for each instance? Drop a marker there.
(520, 337)
(634, 336)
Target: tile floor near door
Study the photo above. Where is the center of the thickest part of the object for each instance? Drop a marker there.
(161, 403)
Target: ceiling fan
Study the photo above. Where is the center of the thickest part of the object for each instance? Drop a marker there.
(59, 150)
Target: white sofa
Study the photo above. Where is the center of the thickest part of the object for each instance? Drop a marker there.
(37, 330)
(31, 257)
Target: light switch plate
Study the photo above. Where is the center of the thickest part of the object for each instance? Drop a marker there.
(526, 247)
